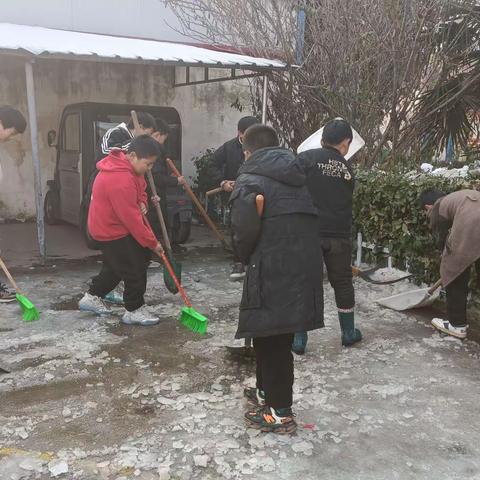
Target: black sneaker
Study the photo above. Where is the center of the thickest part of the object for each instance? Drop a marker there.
(255, 397)
(268, 419)
(238, 272)
(6, 295)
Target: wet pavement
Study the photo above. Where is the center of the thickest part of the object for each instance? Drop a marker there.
(90, 399)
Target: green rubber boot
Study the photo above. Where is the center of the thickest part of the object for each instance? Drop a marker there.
(300, 343)
(350, 334)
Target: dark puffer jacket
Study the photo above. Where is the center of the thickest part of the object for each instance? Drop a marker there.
(282, 291)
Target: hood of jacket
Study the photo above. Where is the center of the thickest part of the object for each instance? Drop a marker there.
(115, 161)
(276, 163)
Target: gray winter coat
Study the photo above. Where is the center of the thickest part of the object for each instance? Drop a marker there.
(282, 291)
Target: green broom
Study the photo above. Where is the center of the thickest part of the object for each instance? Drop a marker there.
(30, 313)
(189, 317)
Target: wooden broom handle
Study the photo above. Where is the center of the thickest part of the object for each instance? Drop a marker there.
(136, 126)
(434, 287)
(260, 204)
(158, 209)
(9, 276)
(197, 203)
(164, 258)
(214, 191)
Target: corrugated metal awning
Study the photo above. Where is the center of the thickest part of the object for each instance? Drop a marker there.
(51, 43)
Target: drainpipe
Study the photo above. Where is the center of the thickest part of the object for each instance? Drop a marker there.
(265, 99)
(300, 36)
(32, 117)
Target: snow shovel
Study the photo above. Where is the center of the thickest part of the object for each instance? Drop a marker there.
(200, 208)
(30, 313)
(366, 275)
(176, 266)
(189, 317)
(422, 297)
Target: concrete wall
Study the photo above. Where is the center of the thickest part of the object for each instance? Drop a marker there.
(208, 120)
(140, 18)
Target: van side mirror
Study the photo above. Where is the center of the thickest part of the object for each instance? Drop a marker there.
(51, 137)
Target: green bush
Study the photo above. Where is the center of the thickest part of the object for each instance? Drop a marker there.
(387, 212)
(202, 181)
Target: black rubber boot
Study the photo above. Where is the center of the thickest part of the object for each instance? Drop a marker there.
(350, 334)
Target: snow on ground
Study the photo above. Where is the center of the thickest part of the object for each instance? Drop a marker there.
(91, 399)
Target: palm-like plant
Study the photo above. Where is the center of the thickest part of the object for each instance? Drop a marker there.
(449, 108)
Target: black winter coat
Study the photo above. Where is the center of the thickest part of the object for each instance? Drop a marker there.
(330, 180)
(226, 161)
(282, 291)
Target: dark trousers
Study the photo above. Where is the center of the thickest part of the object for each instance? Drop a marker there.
(275, 369)
(457, 293)
(126, 260)
(337, 254)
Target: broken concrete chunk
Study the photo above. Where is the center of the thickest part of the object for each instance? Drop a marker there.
(303, 447)
(201, 460)
(57, 467)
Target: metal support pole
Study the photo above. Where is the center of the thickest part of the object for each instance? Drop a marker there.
(32, 117)
(265, 99)
(389, 263)
(358, 263)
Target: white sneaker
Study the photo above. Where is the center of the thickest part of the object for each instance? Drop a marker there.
(446, 327)
(238, 272)
(141, 316)
(96, 305)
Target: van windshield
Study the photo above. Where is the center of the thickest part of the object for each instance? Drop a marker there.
(101, 128)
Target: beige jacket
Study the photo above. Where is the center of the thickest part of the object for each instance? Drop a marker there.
(455, 221)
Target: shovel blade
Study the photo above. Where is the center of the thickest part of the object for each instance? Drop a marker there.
(167, 278)
(408, 300)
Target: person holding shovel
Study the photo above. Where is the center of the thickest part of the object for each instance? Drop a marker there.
(227, 159)
(455, 224)
(162, 178)
(282, 291)
(331, 181)
(12, 122)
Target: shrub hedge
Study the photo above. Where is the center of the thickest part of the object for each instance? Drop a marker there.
(388, 213)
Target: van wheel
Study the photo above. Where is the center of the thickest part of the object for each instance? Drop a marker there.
(51, 208)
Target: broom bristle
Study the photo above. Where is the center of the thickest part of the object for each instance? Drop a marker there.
(194, 321)
(30, 313)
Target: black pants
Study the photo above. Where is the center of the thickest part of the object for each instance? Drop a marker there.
(275, 369)
(337, 254)
(126, 260)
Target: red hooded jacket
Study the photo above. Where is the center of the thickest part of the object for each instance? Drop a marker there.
(115, 205)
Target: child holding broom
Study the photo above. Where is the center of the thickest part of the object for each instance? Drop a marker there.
(116, 222)
(282, 291)
(12, 122)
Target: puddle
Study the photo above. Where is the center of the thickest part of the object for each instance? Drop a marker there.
(68, 304)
